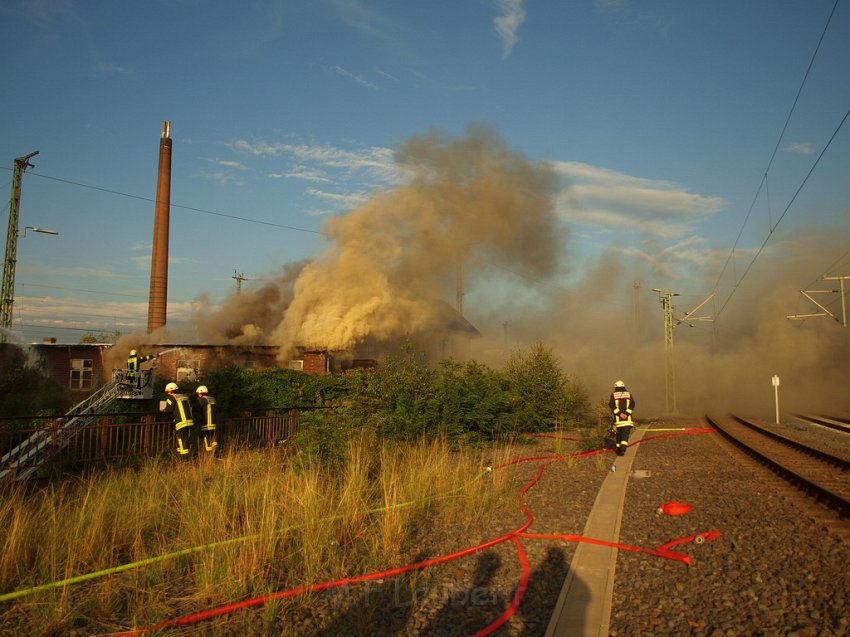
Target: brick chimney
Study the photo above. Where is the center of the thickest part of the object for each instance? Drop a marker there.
(159, 253)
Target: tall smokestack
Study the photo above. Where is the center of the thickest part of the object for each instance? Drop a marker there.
(159, 252)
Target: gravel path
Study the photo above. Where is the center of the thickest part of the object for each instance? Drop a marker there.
(773, 571)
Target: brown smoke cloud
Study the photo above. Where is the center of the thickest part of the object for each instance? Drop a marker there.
(390, 271)
(468, 200)
(609, 326)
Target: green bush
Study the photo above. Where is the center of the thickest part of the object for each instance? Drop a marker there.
(400, 398)
(236, 389)
(26, 391)
(542, 397)
(474, 403)
(322, 438)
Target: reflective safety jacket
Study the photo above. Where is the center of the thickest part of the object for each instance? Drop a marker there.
(133, 362)
(180, 409)
(204, 412)
(622, 405)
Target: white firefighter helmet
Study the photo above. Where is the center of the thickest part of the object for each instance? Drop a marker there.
(171, 387)
(619, 384)
(202, 389)
(132, 352)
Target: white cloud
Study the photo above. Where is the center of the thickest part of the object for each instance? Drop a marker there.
(511, 16)
(144, 262)
(612, 201)
(344, 200)
(108, 67)
(362, 81)
(219, 176)
(802, 148)
(360, 16)
(386, 75)
(226, 163)
(612, 4)
(59, 313)
(80, 314)
(303, 173)
(90, 273)
(375, 160)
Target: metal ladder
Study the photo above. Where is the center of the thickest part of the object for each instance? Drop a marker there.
(33, 452)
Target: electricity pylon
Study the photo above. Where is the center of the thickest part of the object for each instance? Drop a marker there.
(8, 293)
(239, 278)
(670, 323)
(666, 299)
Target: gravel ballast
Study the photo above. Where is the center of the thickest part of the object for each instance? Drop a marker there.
(774, 570)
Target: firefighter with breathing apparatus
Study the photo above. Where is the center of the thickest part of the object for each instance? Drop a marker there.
(622, 404)
(204, 413)
(179, 407)
(134, 362)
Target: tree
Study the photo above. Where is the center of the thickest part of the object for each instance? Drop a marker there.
(401, 396)
(474, 403)
(540, 393)
(102, 337)
(26, 391)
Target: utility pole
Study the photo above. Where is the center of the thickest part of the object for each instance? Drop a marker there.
(8, 299)
(636, 303)
(670, 323)
(239, 278)
(840, 280)
(824, 311)
(459, 284)
(666, 299)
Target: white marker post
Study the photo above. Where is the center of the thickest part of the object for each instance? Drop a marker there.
(775, 382)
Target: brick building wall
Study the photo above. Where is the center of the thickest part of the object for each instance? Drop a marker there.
(80, 367)
(316, 363)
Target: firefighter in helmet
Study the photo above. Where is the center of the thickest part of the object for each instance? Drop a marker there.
(134, 362)
(179, 407)
(622, 404)
(204, 414)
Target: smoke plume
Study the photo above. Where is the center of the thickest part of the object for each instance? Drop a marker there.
(610, 326)
(391, 262)
(471, 206)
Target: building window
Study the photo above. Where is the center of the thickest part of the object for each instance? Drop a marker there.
(188, 370)
(297, 364)
(81, 373)
(250, 364)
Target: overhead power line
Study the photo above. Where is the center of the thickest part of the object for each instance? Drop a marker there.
(782, 216)
(69, 289)
(767, 170)
(173, 205)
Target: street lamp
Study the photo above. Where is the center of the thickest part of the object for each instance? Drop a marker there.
(42, 230)
(8, 296)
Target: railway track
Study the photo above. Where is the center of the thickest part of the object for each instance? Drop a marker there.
(823, 476)
(837, 423)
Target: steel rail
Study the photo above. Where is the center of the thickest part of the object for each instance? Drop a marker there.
(828, 497)
(833, 422)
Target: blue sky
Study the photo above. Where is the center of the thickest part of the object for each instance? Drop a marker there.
(659, 119)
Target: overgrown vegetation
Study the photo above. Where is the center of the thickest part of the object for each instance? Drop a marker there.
(247, 524)
(27, 391)
(378, 456)
(406, 400)
(101, 337)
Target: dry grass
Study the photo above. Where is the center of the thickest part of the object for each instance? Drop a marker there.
(247, 523)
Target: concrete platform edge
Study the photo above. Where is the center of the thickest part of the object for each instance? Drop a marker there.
(584, 604)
